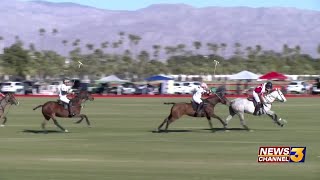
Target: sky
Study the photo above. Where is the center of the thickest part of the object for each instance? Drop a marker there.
(138, 4)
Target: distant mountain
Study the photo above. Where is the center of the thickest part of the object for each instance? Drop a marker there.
(165, 24)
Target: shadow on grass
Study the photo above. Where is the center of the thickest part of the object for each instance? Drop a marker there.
(41, 131)
(211, 130)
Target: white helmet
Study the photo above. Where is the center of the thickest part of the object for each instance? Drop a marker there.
(204, 85)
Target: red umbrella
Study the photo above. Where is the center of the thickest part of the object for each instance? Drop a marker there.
(273, 76)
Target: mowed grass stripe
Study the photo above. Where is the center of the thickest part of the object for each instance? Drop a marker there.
(121, 145)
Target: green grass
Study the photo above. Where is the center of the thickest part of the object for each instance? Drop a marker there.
(121, 145)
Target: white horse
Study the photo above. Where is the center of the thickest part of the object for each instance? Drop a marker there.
(242, 105)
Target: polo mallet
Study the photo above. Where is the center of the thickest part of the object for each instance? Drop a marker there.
(215, 67)
(80, 63)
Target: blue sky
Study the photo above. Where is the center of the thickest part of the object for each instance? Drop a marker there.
(138, 4)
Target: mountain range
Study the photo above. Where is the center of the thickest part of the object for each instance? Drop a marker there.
(164, 24)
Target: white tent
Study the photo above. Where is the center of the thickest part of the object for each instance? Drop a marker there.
(111, 78)
(244, 75)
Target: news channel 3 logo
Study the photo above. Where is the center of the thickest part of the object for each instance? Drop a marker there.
(281, 154)
(298, 154)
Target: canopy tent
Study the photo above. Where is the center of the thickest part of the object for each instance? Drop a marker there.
(158, 78)
(111, 78)
(244, 75)
(273, 76)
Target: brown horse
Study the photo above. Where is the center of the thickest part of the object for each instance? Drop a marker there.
(53, 109)
(5, 101)
(180, 109)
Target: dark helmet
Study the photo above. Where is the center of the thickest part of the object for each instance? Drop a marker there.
(65, 80)
(269, 85)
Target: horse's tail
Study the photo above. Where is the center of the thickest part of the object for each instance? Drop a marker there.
(169, 103)
(37, 107)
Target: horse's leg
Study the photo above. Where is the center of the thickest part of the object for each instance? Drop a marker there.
(170, 120)
(210, 123)
(164, 121)
(58, 125)
(230, 116)
(83, 116)
(243, 123)
(80, 120)
(4, 121)
(222, 122)
(44, 122)
(274, 117)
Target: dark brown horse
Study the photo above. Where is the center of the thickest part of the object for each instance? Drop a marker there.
(53, 109)
(6, 101)
(180, 109)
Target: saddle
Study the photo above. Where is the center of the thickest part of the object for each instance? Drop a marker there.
(261, 110)
(195, 106)
(63, 104)
(250, 98)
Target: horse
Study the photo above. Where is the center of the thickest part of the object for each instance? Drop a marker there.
(53, 109)
(240, 106)
(6, 100)
(180, 109)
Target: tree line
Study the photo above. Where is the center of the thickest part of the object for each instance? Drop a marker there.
(124, 58)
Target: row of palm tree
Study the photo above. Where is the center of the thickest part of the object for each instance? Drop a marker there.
(125, 58)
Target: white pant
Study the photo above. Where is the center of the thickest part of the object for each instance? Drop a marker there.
(197, 100)
(64, 99)
(256, 96)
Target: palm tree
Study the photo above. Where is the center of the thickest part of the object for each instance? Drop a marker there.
(213, 47)
(197, 45)
(1, 44)
(238, 52)
(90, 46)
(223, 49)
(318, 49)
(42, 33)
(104, 44)
(121, 40)
(54, 31)
(156, 49)
(134, 41)
(76, 42)
(181, 48)
(170, 50)
(64, 42)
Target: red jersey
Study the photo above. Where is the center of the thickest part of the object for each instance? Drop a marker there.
(260, 89)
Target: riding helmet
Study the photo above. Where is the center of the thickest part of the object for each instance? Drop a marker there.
(269, 85)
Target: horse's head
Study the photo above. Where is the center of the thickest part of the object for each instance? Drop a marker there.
(217, 98)
(11, 99)
(276, 95)
(85, 95)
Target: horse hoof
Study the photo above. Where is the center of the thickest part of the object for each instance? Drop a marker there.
(2, 125)
(250, 130)
(66, 130)
(226, 130)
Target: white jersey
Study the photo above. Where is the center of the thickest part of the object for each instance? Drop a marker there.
(198, 94)
(63, 90)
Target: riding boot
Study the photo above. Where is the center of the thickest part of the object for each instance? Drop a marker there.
(69, 109)
(256, 110)
(198, 109)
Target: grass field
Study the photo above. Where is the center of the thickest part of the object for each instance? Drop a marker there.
(120, 145)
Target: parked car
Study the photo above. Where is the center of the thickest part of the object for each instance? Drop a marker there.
(178, 88)
(128, 88)
(296, 87)
(12, 86)
(28, 87)
(187, 87)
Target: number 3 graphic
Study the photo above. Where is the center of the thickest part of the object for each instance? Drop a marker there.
(298, 156)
